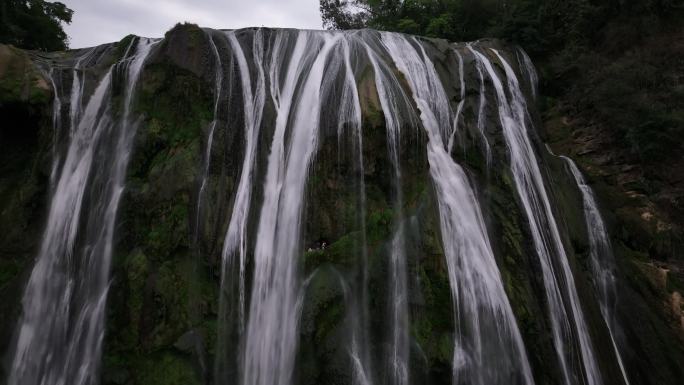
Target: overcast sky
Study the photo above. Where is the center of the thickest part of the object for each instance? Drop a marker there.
(104, 21)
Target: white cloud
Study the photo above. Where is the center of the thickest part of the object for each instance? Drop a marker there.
(103, 21)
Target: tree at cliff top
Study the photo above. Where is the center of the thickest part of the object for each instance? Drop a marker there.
(34, 24)
(539, 25)
(342, 14)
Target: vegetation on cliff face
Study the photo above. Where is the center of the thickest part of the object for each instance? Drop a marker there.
(163, 299)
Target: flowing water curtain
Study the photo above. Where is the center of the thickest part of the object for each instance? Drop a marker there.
(524, 62)
(461, 103)
(398, 113)
(56, 123)
(350, 119)
(481, 106)
(601, 258)
(272, 327)
(234, 250)
(220, 95)
(59, 336)
(206, 162)
(481, 308)
(54, 72)
(291, 72)
(565, 312)
(253, 109)
(276, 293)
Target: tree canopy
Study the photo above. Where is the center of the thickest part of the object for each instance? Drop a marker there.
(34, 24)
(538, 25)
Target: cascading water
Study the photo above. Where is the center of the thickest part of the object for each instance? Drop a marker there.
(271, 333)
(566, 315)
(56, 126)
(391, 97)
(59, 338)
(75, 106)
(218, 80)
(482, 104)
(481, 307)
(235, 242)
(350, 118)
(297, 90)
(77, 86)
(601, 258)
(461, 103)
(525, 62)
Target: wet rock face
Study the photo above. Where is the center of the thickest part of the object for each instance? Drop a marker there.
(164, 311)
(641, 203)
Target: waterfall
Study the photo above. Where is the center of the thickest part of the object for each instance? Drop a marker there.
(563, 301)
(56, 127)
(481, 110)
(77, 85)
(481, 308)
(461, 103)
(69, 283)
(350, 116)
(253, 109)
(75, 105)
(391, 97)
(271, 332)
(601, 258)
(235, 241)
(218, 80)
(524, 62)
(410, 208)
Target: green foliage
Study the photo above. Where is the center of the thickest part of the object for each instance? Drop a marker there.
(635, 94)
(541, 26)
(408, 26)
(337, 14)
(379, 225)
(163, 290)
(440, 26)
(167, 369)
(34, 24)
